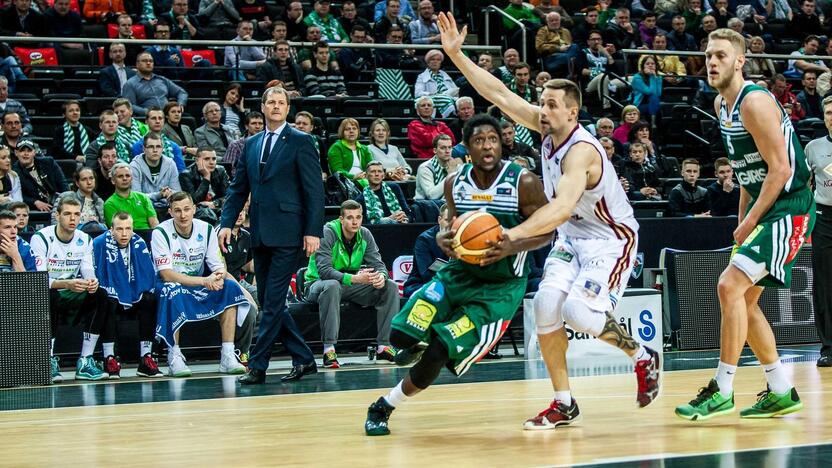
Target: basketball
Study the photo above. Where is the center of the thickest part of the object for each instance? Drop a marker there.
(473, 230)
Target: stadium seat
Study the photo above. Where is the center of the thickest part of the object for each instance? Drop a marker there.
(83, 87)
(68, 167)
(205, 89)
(37, 86)
(360, 108)
(394, 108)
(360, 88)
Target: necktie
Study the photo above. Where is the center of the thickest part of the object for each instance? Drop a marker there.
(267, 149)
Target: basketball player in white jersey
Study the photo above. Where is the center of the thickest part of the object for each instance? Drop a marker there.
(588, 267)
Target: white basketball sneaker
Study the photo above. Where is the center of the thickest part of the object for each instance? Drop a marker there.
(177, 366)
(229, 364)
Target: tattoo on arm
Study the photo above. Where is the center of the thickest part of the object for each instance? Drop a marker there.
(616, 335)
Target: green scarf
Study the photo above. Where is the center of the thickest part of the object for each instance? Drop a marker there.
(523, 135)
(122, 153)
(439, 172)
(69, 138)
(440, 83)
(129, 136)
(167, 147)
(526, 95)
(147, 11)
(374, 209)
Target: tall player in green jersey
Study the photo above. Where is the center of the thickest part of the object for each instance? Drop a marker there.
(465, 309)
(776, 213)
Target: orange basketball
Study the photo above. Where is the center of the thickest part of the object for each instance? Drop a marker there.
(473, 229)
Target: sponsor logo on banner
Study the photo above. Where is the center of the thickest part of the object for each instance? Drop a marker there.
(648, 331)
(421, 315)
(638, 266)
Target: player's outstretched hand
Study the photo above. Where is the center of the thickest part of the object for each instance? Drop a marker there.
(452, 38)
(497, 250)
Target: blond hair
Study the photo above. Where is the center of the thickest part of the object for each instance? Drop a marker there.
(731, 36)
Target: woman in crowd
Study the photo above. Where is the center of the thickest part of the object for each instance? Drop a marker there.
(758, 68)
(629, 116)
(233, 109)
(92, 206)
(347, 155)
(395, 167)
(437, 84)
(647, 88)
(641, 132)
(178, 132)
(9, 180)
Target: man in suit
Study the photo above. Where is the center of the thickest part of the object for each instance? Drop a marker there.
(280, 169)
(113, 77)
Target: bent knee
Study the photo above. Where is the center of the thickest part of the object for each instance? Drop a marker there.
(547, 310)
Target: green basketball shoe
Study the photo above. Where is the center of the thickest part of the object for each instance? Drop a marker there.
(707, 404)
(770, 404)
(377, 415)
(88, 369)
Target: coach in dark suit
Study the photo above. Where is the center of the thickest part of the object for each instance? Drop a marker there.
(280, 168)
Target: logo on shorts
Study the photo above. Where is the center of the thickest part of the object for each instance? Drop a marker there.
(591, 288)
(435, 292)
(561, 254)
(462, 326)
(421, 315)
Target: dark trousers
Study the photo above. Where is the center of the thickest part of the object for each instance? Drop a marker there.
(273, 269)
(145, 311)
(95, 309)
(822, 267)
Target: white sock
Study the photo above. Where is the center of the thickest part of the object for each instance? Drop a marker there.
(174, 350)
(52, 347)
(88, 345)
(328, 348)
(564, 396)
(396, 396)
(381, 348)
(109, 349)
(776, 376)
(228, 348)
(641, 354)
(145, 347)
(725, 378)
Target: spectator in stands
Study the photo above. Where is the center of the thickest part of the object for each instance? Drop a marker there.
(437, 84)
(334, 276)
(13, 106)
(665, 166)
(554, 45)
(178, 132)
(349, 18)
(391, 159)
(580, 33)
(92, 205)
(592, 64)
(808, 98)
(213, 134)
(621, 33)
(9, 180)
(383, 203)
(15, 253)
(219, 295)
(798, 66)
(647, 28)
(641, 176)
(431, 174)
(105, 161)
(125, 268)
(279, 31)
(428, 258)
(305, 55)
(693, 13)
(424, 30)
(257, 12)
(396, 58)
(347, 155)
(510, 58)
(806, 21)
(113, 77)
(464, 111)
(103, 11)
(41, 179)
(253, 125)
(108, 124)
(293, 17)
(166, 58)
(605, 127)
(671, 69)
(155, 124)
(66, 254)
(629, 116)
(324, 79)
(614, 156)
(11, 129)
(523, 13)
(382, 7)
(781, 90)
(708, 26)
(125, 34)
(521, 83)
(129, 130)
(331, 29)
(184, 24)
(243, 61)
(514, 149)
(544, 7)
(21, 212)
(207, 183)
(724, 194)
(233, 107)
(738, 26)
(71, 138)
(756, 67)
(221, 16)
(147, 89)
(391, 18)
(688, 199)
(67, 23)
(422, 131)
(647, 88)
(126, 199)
(305, 122)
(19, 19)
(352, 61)
(721, 13)
(678, 39)
(154, 174)
(282, 67)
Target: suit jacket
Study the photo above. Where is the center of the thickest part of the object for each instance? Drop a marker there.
(287, 199)
(108, 80)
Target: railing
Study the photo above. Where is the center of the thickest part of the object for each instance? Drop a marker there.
(682, 53)
(505, 15)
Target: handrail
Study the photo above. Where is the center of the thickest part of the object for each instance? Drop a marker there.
(697, 137)
(684, 53)
(506, 16)
(704, 112)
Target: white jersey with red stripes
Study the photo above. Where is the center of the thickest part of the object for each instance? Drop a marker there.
(602, 212)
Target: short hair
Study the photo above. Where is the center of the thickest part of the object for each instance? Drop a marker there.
(203, 149)
(434, 52)
(622, 10)
(690, 161)
(17, 205)
(8, 114)
(724, 161)
(349, 205)
(439, 138)
(282, 41)
(170, 105)
(373, 125)
(122, 102)
(727, 34)
(70, 199)
(342, 127)
(151, 136)
(64, 106)
(274, 89)
(108, 145)
(521, 65)
(476, 121)
(423, 98)
(144, 53)
(627, 109)
(210, 104)
(649, 14)
(357, 28)
(778, 77)
(9, 215)
(826, 101)
(637, 127)
(122, 215)
(660, 33)
(306, 114)
(810, 71)
(638, 144)
(320, 45)
(153, 109)
(811, 37)
(179, 196)
(395, 28)
(120, 165)
(606, 140)
(279, 23)
(506, 124)
(374, 163)
(598, 122)
(4, 80)
(251, 115)
(464, 99)
(732, 22)
(571, 91)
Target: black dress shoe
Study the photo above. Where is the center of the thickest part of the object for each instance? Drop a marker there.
(825, 360)
(253, 377)
(299, 371)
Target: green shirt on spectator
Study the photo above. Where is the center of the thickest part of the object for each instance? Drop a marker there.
(520, 13)
(137, 204)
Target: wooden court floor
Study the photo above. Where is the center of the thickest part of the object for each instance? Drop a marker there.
(448, 425)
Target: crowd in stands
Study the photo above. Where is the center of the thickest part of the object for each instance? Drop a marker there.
(163, 155)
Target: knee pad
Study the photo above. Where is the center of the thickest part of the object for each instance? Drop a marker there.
(402, 340)
(547, 310)
(582, 318)
(427, 369)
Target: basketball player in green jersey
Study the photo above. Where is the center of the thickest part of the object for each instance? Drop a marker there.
(776, 214)
(465, 309)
